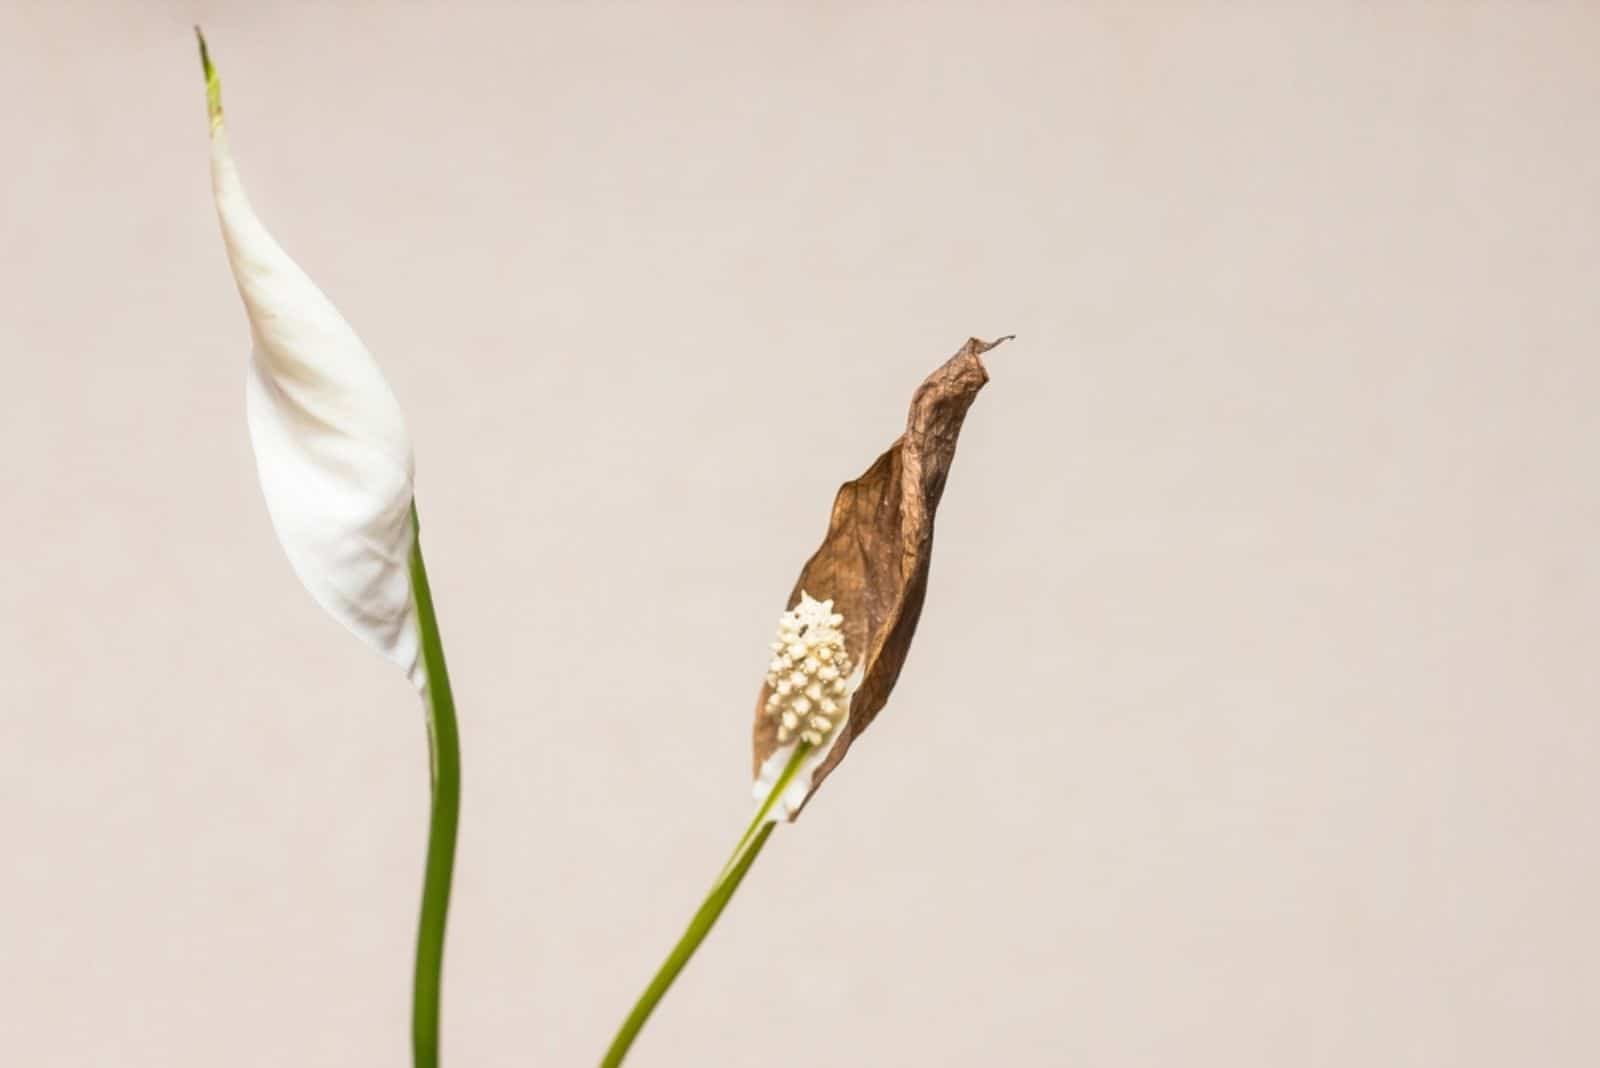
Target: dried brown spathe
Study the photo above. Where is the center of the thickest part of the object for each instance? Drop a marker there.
(873, 562)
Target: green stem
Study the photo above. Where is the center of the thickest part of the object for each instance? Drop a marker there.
(444, 750)
(733, 873)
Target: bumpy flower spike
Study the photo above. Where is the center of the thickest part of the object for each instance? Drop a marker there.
(809, 677)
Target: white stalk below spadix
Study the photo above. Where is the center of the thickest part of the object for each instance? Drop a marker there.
(330, 442)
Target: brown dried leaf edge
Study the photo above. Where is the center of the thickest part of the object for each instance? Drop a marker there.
(873, 562)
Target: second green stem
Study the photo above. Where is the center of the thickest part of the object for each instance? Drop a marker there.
(733, 873)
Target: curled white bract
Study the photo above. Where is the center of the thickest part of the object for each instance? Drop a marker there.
(330, 441)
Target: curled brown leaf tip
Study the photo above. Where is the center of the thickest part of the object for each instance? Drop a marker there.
(873, 561)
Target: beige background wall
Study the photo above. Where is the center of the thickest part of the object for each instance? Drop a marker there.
(1255, 714)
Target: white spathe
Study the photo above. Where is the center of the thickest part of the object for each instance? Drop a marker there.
(330, 441)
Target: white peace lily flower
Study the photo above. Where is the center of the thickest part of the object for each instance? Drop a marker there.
(335, 464)
(330, 441)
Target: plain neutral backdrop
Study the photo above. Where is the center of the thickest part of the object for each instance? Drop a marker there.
(1255, 714)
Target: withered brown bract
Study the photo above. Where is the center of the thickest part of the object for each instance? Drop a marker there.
(873, 562)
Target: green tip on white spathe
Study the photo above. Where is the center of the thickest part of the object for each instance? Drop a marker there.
(213, 84)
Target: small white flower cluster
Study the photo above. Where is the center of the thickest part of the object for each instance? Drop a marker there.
(809, 674)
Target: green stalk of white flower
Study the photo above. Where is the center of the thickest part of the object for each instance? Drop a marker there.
(335, 464)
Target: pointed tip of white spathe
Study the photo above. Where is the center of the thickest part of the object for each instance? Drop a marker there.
(213, 83)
